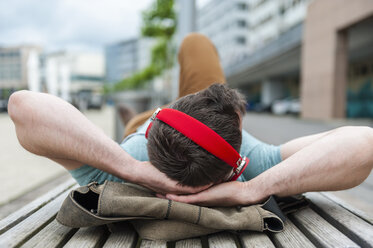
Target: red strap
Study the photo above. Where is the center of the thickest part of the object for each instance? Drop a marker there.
(203, 136)
(200, 134)
(147, 130)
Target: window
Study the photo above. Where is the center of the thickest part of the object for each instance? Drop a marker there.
(241, 40)
(265, 20)
(259, 3)
(364, 70)
(242, 6)
(241, 23)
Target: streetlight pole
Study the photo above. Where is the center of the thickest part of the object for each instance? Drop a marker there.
(186, 23)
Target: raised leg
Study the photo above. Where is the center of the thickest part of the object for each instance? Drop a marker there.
(199, 64)
(199, 68)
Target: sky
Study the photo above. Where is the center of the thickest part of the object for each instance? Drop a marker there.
(81, 25)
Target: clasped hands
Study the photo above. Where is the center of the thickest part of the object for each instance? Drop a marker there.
(223, 194)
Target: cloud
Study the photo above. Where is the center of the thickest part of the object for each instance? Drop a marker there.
(71, 24)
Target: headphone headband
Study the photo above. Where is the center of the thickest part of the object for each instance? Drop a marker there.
(203, 136)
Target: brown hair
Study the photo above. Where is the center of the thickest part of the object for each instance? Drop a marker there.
(181, 159)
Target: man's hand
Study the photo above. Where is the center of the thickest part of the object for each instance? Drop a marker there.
(225, 194)
(150, 177)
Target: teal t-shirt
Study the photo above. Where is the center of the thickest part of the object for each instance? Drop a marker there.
(262, 157)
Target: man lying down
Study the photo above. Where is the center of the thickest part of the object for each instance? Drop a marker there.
(194, 150)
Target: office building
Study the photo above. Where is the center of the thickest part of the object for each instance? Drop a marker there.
(73, 76)
(19, 67)
(268, 19)
(126, 57)
(317, 51)
(226, 23)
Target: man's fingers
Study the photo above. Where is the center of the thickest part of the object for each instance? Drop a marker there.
(185, 198)
(192, 190)
(160, 196)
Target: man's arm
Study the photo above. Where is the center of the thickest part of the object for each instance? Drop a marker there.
(339, 160)
(295, 145)
(48, 126)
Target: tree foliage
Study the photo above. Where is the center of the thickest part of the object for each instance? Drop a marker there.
(158, 22)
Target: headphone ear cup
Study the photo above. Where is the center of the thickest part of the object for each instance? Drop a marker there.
(152, 118)
(244, 162)
(147, 130)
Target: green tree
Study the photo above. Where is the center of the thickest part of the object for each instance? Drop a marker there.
(158, 22)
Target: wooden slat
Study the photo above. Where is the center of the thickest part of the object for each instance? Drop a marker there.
(122, 236)
(319, 231)
(365, 216)
(153, 244)
(88, 237)
(255, 239)
(32, 207)
(222, 240)
(352, 226)
(291, 237)
(189, 243)
(33, 224)
(53, 235)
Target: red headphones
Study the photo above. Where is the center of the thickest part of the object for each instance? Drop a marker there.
(203, 136)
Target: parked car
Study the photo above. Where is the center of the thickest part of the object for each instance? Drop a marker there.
(96, 101)
(286, 106)
(3, 105)
(86, 99)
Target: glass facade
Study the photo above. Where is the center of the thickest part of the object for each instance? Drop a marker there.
(10, 65)
(121, 60)
(360, 90)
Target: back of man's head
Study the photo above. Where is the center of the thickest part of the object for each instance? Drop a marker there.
(218, 107)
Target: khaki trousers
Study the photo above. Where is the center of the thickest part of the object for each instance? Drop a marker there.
(199, 68)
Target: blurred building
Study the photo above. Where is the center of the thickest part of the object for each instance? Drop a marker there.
(269, 19)
(19, 69)
(76, 77)
(327, 68)
(186, 23)
(337, 73)
(17, 64)
(126, 57)
(226, 23)
(250, 35)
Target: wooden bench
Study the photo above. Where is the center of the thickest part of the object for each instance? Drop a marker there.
(325, 223)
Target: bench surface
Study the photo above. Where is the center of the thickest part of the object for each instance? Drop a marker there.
(327, 222)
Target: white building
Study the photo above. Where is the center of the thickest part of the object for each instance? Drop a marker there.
(240, 27)
(226, 23)
(73, 76)
(270, 18)
(19, 67)
(253, 53)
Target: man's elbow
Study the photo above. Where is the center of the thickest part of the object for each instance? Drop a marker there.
(363, 133)
(369, 134)
(17, 105)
